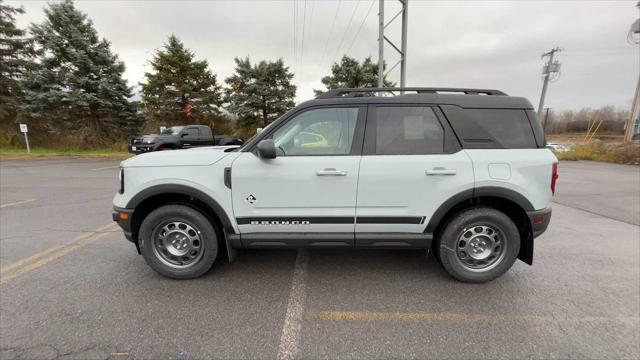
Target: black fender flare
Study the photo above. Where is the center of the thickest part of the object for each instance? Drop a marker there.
(183, 190)
(227, 227)
(471, 194)
(526, 249)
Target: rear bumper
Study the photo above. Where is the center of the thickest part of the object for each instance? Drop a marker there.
(539, 220)
(123, 218)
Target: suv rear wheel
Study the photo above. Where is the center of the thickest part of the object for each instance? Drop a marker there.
(178, 242)
(478, 245)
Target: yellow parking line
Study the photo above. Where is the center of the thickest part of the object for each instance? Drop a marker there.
(450, 317)
(42, 258)
(30, 258)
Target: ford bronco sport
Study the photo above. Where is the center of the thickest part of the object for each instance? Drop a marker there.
(462, 172)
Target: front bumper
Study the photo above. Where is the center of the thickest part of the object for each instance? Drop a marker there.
(539, 220)
(123, 218)
(140, 148)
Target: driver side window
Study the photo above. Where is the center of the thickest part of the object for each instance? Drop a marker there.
(326, 131)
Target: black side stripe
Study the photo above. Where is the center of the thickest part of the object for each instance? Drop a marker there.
(309, 220)
(390, 220)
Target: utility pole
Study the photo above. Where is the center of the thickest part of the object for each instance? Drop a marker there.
(403, 43)
(632, 127)
(544, 124)
(403, 65)
(381, 43)
(549, 68)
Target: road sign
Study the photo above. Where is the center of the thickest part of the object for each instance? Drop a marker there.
(24, 130)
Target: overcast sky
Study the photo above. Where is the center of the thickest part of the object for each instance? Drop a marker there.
(450, 44)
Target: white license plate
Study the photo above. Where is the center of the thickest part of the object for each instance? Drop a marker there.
(133, 148)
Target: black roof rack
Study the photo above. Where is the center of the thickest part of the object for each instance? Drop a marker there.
(420, 90)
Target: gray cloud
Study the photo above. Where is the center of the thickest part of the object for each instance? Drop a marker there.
(461, 44)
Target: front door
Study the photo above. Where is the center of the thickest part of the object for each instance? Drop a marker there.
(411, 165)
(307, 194)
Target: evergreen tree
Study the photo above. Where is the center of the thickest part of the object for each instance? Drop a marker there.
(77, 86)
(16, 54)
(260, 93)
(349, 73)
(180, 90)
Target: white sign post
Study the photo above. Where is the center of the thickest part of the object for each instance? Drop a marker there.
(24, 130)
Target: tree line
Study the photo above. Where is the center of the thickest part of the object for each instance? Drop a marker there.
(63, 80)
(610, 120)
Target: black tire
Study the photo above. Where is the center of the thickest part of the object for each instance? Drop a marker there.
(160, 259)
(454, 251)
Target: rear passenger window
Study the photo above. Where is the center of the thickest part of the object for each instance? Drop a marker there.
(404, 130)
(508, 127)
(190, 132)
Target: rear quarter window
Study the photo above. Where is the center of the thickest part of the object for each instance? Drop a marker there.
(491, 128)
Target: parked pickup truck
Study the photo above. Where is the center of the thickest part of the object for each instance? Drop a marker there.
(181, 137)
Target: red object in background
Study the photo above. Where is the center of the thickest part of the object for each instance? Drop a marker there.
(188, 105)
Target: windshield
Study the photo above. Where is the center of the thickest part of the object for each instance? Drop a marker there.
(174, 130)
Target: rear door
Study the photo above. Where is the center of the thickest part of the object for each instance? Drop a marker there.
(189, 137)
(205, 136)
(411, 164)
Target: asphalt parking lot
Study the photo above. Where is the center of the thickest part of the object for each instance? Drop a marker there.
(72, 287)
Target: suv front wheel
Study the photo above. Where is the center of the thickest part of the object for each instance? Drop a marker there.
(178, 242)
(478, 245)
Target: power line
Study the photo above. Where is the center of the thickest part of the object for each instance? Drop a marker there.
(295, 32)
(304, 21)
(326, 44)
(309, 31)
(606, 48)
(345, 32)
(360, 28)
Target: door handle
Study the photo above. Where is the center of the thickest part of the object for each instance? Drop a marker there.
(331, 172)
(440, 171)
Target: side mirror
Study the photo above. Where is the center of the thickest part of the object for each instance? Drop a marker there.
(266, 149)
(183, 135)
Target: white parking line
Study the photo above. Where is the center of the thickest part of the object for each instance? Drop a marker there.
(295, 308)
(104, 168)
(16, 203)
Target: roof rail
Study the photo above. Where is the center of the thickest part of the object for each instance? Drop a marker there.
(420, 90)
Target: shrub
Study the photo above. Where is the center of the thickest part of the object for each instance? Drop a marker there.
(599, 151)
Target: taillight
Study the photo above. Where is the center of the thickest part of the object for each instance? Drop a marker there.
(554, 177)
(121, 178)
